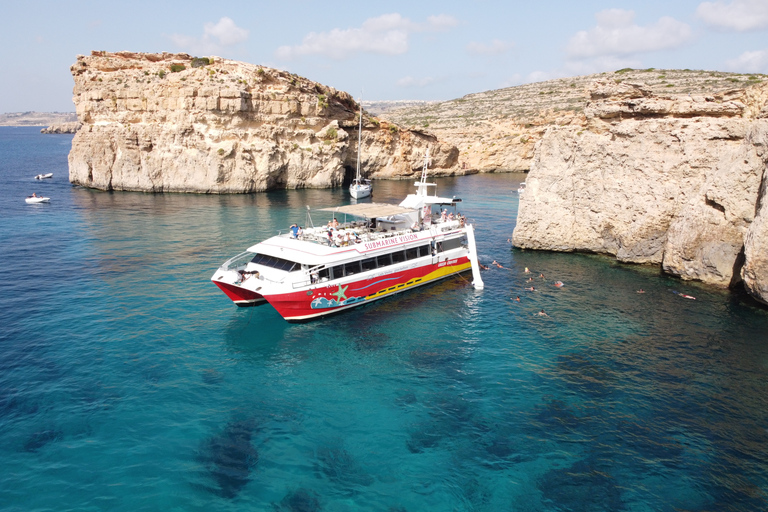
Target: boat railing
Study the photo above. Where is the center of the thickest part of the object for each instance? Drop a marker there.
(319, 235)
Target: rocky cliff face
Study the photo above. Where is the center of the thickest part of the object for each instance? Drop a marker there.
(674, 180)
(496, 131)
(174, 123)
(62, 128)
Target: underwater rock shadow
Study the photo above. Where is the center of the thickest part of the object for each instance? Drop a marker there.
(299, 500)
(340, 466)
(584, 486)
(41, 439)
(229, 457)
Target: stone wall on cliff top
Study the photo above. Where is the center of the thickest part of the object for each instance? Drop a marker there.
(174, 123)
(671, 180)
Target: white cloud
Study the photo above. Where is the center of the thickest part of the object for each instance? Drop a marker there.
(409, 81)
(616, 34)
(385, 35)
(216, 37)
(583, 67)
(496, 47)
(750, 62)
(738, 15)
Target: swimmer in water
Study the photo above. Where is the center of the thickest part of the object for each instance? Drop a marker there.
(559, 284)
(542, 313)
(517, 299)
(640, 291)
(531, 289)
(526, 270)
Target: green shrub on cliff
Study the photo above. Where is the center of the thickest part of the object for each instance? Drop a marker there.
(175, 68)
(199, 62)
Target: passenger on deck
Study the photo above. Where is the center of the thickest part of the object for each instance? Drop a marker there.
(444, 215)
(294, 230)
(335, 223)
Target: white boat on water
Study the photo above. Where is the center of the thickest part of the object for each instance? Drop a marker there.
(377, 251)
(44, 176)
(37, 199)
(522, 188)
(360, 187)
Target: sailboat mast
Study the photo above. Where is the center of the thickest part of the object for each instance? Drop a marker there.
(359, 138)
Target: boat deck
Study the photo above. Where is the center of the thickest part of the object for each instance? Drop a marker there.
(349, 232)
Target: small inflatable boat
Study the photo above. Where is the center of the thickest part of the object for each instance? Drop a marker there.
(35, 200)
(44, 176)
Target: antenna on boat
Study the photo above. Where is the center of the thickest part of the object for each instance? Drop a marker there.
(309, 219)
(421, 185)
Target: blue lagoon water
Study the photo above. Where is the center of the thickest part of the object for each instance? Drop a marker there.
(129, 382)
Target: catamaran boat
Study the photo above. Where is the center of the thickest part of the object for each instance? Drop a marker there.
(360, 187)
(379, 250)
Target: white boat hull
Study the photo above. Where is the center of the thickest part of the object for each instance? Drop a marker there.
(360, 191)
(36, 200)
(44, 176)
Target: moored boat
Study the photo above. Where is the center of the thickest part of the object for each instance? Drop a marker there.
(378, 250)
(360, 187)
(44, 176)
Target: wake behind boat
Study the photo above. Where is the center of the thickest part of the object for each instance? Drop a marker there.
(378, 250)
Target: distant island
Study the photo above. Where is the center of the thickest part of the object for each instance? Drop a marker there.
(37, 118)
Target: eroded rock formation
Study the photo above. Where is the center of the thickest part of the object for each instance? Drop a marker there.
(174, 123)
(62, 128)
(674, 180)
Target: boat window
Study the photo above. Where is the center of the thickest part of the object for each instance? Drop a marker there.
(412, 253)
(424, 250)
(337, 271)
(352, 268)
(383, 260)
(369, 264)
(453, 243)
(398, 257)
(324, 274)
(278, 263)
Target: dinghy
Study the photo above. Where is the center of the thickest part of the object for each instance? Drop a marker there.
(44, 176)
(36, 199)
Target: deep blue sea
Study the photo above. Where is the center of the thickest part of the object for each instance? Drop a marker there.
(129, 382)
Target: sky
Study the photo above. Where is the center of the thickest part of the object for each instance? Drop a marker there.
(393, 50)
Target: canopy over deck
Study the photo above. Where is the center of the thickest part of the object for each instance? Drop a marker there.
(370, 210)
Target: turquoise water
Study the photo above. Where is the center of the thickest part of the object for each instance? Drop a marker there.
(129, 382)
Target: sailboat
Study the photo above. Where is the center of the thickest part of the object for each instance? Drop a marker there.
(360, 187)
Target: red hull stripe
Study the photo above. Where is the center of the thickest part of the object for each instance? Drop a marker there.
(324, 300)
(238, 294)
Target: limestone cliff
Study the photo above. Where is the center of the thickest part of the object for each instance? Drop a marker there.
(497, 130)
(174, 123)
(674, 180)
(62, 128)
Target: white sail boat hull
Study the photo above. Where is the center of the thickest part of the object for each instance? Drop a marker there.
(358, 190)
